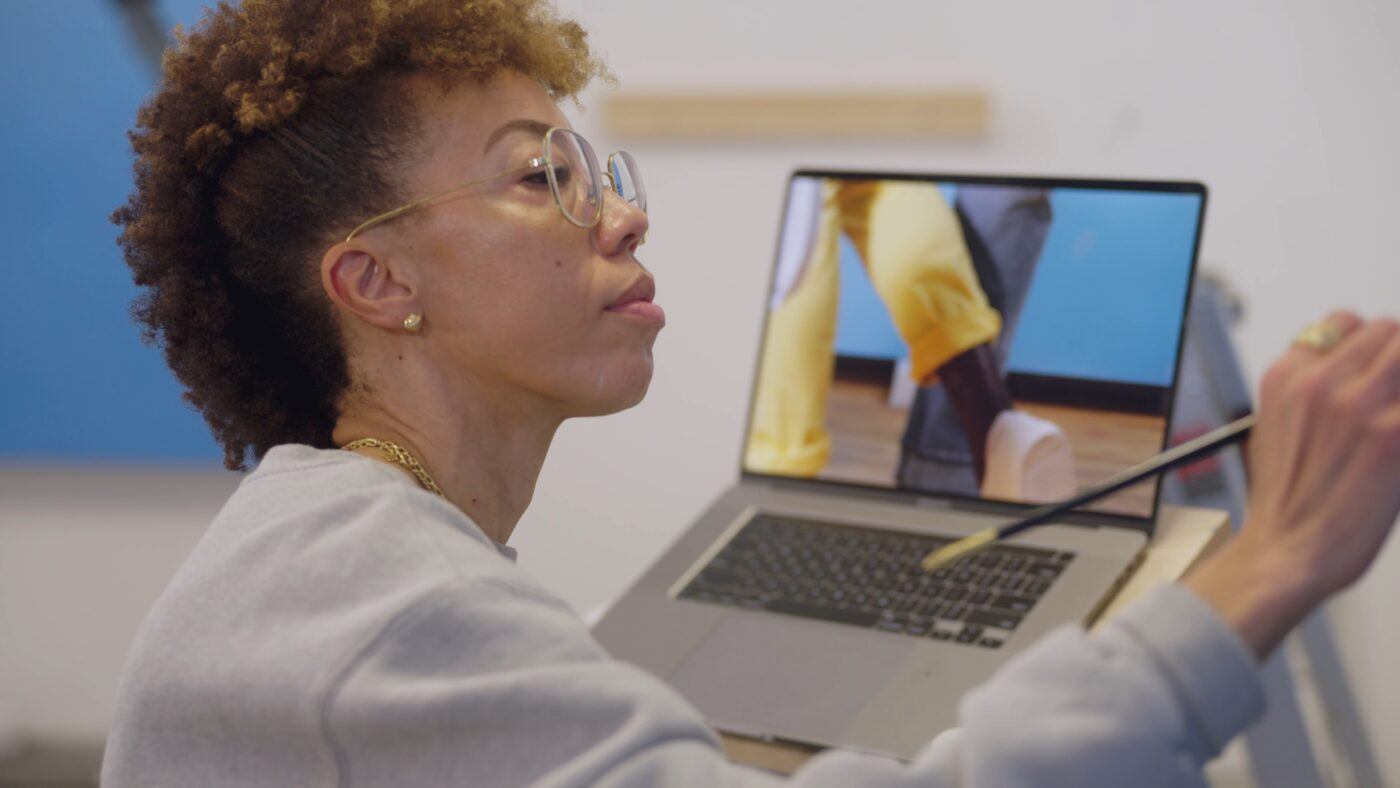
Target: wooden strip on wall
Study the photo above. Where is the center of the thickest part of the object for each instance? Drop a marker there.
(963, 114)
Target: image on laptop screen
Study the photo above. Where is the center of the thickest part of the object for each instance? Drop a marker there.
(1009, 341)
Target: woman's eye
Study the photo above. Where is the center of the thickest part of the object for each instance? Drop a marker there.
(562, 176)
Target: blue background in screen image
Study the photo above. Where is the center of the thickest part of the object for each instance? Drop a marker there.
(1106, 302)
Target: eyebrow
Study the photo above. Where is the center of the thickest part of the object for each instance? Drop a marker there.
(520, 124)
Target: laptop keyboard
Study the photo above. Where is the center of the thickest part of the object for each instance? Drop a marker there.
(870, 578)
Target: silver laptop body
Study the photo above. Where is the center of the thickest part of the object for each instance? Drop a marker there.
(861, 667)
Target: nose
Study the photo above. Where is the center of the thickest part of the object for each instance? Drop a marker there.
(622, 226)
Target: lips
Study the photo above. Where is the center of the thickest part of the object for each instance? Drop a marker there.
(636, 301)
(642, 289)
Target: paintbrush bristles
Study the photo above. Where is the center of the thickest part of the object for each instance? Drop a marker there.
(949, 554)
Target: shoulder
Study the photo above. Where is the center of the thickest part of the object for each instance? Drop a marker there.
(336, 502)
(321, 564)
(316, 534)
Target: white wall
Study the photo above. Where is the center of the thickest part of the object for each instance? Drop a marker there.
(83, 553)
(1286, 109)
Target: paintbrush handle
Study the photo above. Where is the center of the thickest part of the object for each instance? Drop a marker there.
(1187, 452)
(1180, 455)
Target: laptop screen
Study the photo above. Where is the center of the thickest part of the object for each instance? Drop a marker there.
(998, 339)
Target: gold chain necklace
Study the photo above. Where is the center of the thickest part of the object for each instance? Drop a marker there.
(398, 454)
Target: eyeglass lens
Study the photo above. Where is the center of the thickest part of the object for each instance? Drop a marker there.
(573, 174)
(627, 179)
(577, 180)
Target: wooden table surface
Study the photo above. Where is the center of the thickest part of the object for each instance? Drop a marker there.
(1184, 535)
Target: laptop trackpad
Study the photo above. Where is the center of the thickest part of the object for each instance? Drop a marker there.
(775, 675)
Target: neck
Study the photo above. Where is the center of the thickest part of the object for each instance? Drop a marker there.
(485, 452)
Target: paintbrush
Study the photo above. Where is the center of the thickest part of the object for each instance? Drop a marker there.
(1186, 453)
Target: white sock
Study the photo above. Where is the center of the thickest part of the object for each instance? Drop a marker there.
(1028, 459)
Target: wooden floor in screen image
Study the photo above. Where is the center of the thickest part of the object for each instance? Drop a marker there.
(866, 432)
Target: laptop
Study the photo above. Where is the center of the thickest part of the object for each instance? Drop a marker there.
(794, 608)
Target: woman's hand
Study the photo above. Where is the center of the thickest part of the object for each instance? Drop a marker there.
(1324, 464)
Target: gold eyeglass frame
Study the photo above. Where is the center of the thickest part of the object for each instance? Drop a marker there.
(545, 161)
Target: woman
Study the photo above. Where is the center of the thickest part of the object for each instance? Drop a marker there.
(353, 615)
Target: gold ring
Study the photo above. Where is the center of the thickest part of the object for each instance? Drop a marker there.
(1321, 336)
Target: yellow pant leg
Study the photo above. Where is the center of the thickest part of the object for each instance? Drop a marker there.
(788, 434)
(913, 248)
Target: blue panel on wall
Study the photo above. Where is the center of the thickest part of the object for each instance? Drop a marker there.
(76, 382)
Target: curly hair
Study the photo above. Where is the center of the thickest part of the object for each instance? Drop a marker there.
(277, 123)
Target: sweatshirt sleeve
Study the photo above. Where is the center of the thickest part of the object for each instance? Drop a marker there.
(484, 685)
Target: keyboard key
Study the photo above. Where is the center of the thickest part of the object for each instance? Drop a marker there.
(1016, 604)
(1028, 552)
(949, 628)
(993, 618)
(969, 634)
(856, 617)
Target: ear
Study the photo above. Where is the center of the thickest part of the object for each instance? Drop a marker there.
(368, 286)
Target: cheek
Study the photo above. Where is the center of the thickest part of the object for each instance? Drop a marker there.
(534, 320)
(556, 342)
(528, 319)
(508, 285)
(528, 312)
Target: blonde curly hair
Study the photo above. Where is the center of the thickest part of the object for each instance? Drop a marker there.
(277, 125)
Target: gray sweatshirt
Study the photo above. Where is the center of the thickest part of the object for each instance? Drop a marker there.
(336, 625)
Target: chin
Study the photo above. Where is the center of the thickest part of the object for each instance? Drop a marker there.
(616, 387)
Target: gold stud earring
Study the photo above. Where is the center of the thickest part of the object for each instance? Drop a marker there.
(412, 322)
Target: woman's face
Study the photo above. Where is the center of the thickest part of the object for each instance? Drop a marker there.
(518, 301)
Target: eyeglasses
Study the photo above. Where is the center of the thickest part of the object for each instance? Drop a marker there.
(575, 179)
